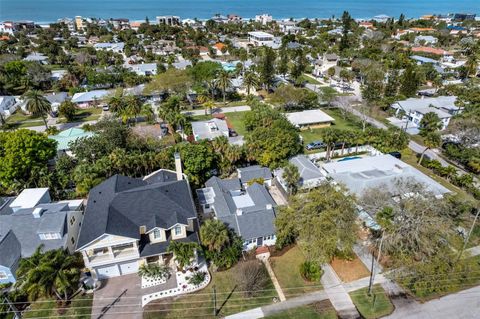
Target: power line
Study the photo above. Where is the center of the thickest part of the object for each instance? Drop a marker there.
(395, 278)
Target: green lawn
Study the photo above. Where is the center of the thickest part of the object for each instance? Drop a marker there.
(235, 118)
(21, 120)
(305, 312)
(287, 271)
(228, 295)
(306, 78)
(80, 307)
(375, 306)
(342, 123)
(410, 157)
(84, 115)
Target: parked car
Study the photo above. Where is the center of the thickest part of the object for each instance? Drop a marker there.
(106, 108)
(315, 145)
(232, 132)
(396, 154)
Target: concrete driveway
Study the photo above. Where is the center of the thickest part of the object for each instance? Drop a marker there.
(118, 298)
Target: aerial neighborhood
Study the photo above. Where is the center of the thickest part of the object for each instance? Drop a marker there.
(240, 167)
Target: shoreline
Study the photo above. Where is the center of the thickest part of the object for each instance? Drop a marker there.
(152, 20)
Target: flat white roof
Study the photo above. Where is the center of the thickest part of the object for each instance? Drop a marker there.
(29, 197)
(309, 117)
(260, 34)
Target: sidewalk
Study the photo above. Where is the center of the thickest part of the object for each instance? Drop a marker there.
(337, 294)
(275, 282)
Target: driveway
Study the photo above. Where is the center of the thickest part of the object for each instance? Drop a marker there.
(227, 109)
(118, 298)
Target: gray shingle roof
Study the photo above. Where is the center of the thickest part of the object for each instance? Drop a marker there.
(120, 205)
(246, 174)
(10, 250)
(257, 214)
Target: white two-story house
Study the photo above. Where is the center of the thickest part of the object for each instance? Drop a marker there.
(131, 221)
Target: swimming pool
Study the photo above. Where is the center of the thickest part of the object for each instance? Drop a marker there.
(349, 158)
(229, 67)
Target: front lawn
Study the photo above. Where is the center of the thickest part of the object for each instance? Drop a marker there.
(200, 304)
(236, 120)
(287, 271)
(80, 307)
(308, 79)
(84, 115)
(314, 311)
(375, 306)
(21, 120)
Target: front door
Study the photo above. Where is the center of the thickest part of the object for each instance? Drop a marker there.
(259, 241)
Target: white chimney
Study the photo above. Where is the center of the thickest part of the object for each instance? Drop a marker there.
(239, 212)
(269, 206)
(178, 166)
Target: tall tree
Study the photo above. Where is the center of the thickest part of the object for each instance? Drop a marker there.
(431, 140)
(282, 66)
(183, 252)
(322, 222)
(266, 67)
(214, 234)
(224, 82)
(250, 80)
(291, 176)
(37, 104)
(430, 123)
(54, 273)
(410, 81)
(67, 109)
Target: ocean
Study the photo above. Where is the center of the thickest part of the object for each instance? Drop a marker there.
(51, 10)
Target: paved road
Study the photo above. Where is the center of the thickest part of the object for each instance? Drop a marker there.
(462, 305)
(228, 109)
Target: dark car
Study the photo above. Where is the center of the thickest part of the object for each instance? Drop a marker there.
(315, 145)
(232, 132)
(396, 154)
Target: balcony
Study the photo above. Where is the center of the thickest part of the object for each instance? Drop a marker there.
(116, 253)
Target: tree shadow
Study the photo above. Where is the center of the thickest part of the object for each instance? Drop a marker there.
(226, 299)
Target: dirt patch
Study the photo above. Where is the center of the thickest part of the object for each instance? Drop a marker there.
(349, 270)
(275, 252)
(323, 306)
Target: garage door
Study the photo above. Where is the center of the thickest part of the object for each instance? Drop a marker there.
(129, 268)
(108, 272)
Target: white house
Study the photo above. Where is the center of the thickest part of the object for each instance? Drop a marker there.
(107, 46)
(7, 105)
(310, 119)
(260, 38)
(210, 129)
(263, 18)
(143, 68)
(414, 109)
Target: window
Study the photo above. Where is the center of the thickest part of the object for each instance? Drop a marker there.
(3, 275)
(157, 234)
(178, 230)
(72, 220)
(72, 240)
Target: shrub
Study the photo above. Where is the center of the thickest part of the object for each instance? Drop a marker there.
(197, 278)
(154, 271)
(251, 277)
(311, 271)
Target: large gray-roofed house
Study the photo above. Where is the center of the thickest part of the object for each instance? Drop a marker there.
(384, 171)
(310, 119)
(28, 222)
(250, 211)
(135, 219)
(415, 108)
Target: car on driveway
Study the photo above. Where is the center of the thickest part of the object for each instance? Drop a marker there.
(315, 145)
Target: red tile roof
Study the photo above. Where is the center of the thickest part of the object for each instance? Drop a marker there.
(431, 50)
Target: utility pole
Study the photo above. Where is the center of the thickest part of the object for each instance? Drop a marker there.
(214, 301)
(468, 236)
(372, 270)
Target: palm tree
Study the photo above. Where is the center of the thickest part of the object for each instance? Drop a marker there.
(37, 104)
(291, 176)
(183, 252)
(430, 123)
(214, 235)
(431, 140)
(148, 113)
(54, 273)
(250, 81)
(224, 82)
(133, 106)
